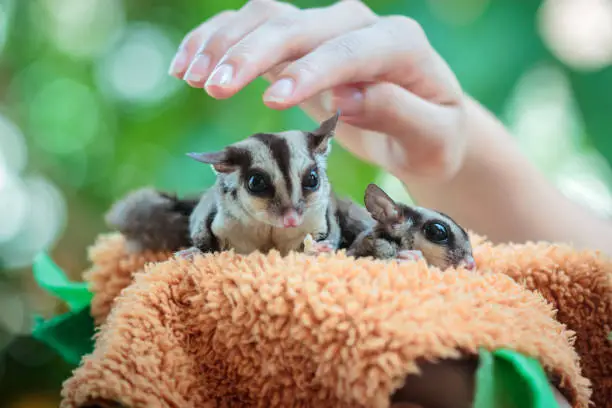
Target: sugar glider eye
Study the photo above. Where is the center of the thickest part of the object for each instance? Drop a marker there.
(311, 180)
(258, 183)
(435, 232)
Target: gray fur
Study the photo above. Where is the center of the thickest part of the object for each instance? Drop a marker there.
(151, 220)
(399, 227)
(228, 216)
(248, 223)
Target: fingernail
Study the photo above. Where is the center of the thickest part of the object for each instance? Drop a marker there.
(197, 69)
(179, 63)
(221, 76)
(349, 100)
(280, 90)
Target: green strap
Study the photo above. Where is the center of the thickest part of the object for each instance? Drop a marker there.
(507, 379)
(70, 334)
(51, 278)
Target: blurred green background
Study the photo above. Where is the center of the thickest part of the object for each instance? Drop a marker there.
(88, 112)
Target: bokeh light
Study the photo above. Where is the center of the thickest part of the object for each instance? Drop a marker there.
(83, 28)
(136, 69)
(14, 316)
(13, 149)
(66, 124)
(13, 158)
(585, 178)
(458, 13)
(14, 203)
(44, 220)
(6, 12)
(578, 32)
(541, 114)
(549, 129)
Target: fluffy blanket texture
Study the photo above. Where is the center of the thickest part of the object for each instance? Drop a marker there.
(330, 331)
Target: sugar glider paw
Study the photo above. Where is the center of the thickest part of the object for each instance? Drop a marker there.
(313, 247)
(409, 255)
(323, 247)
(188, 253)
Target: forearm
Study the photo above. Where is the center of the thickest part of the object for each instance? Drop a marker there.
(499, 193)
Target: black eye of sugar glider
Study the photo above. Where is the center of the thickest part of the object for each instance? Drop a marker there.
(311, 180)
(435, 232)
(258, 183)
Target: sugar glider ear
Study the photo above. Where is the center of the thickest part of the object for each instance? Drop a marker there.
(219, 161)
(382, 207)
(320, 138)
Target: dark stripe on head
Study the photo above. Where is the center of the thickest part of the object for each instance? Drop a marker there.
(239, 157)
(279, 149)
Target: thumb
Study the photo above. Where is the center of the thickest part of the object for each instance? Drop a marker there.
(423, 131)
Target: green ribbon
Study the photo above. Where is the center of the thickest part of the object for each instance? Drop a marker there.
(69, 334)
(507, 379)
(504, 379)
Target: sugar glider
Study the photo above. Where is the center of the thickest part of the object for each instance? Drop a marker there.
(271, 191)
(405, 232)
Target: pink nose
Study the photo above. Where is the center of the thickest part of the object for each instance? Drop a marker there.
(291, 219)
(470, 264)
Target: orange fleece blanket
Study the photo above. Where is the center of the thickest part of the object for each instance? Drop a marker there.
(331, 331)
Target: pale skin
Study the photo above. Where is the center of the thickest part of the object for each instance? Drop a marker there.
(402, 108)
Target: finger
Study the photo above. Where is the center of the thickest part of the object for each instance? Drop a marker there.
(193, 41)
(249, 17)
(391, 110)
(357, 139)
(286, 36)
(394, 49)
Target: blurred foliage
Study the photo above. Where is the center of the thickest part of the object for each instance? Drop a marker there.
(84, 82)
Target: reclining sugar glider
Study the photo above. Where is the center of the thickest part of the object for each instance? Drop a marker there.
(407, 233)
(271, 191)
(410, 233)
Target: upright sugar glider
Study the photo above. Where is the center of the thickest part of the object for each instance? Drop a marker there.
(405, 232)
(271, 192)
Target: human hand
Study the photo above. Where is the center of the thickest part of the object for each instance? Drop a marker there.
(402, 106)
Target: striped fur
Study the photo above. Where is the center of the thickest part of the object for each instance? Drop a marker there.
(400, 227)
(247, 222)
(229, 216)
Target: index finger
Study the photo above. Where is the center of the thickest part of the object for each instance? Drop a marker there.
(395, 49)
(194, 40)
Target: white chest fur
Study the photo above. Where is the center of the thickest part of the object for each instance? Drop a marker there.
(251, 235)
